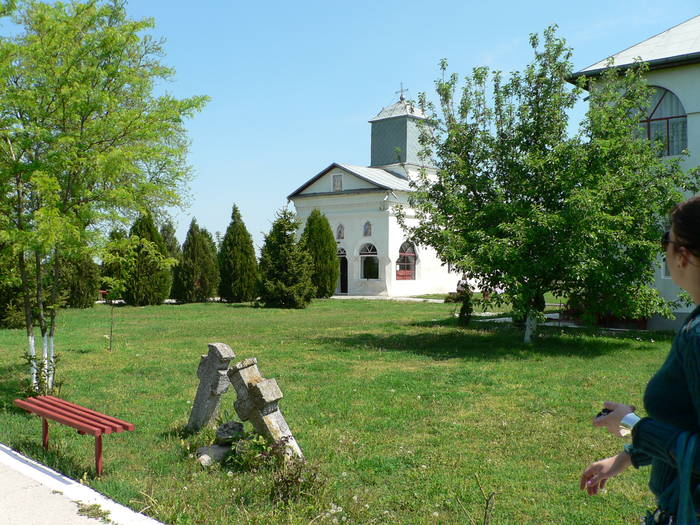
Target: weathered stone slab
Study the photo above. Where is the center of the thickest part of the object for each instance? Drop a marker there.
(213, 383)
(208, 455)
(229, 432)
(257, 402)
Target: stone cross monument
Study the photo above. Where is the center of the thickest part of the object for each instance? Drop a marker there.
(213, 383)
(256, 402)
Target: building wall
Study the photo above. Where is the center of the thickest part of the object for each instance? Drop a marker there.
(353, 211)
(683, 82)
(350, 182)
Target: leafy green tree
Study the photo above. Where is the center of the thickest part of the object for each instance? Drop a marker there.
(285, 266)
(523, 208)
(238, 266)
(198, 273)
(149, 278)
(80, 277)
(85, 139)
(319, 241)
(173, 248)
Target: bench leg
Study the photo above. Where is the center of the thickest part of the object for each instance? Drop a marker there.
(98, 454)
(45, 432)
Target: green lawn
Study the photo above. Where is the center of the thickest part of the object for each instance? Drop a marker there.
(399, 410)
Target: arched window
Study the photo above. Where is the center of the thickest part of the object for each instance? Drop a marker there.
(667, 122)
(406, 263)
(340, 232)
(369, 262)
(368, 229)
(341, 252)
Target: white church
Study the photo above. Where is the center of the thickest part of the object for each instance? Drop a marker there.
(374, 254)
(673, 57)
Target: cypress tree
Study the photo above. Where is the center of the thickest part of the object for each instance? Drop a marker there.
(237, 264)
(198, 273)
(285, 267)
(80, 280)
(319, 241)
(167, 231)
(149, 278)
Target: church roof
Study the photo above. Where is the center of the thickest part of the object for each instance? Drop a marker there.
(383, 179)
(400, 109)
(676, 46)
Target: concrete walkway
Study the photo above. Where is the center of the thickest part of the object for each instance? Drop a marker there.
(32, 494)
(386, 298)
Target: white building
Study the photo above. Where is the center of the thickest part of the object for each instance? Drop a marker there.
(674, 70)
(359, 202)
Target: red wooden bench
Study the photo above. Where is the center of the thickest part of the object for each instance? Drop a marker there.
(84, 420)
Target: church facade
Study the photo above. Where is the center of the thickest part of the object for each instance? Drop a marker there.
(673, 57)
(374, 254)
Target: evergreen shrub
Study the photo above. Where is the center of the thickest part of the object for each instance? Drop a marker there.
(285, 267)
(319, 241)
(238, 267)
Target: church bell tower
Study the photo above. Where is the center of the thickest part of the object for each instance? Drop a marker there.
(395, 135)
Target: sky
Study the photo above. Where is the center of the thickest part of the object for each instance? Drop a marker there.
(293, 84)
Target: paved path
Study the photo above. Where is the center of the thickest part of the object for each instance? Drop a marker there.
(32, 494)
(386, 298)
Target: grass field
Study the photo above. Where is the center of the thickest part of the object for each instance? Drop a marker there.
(406, 417)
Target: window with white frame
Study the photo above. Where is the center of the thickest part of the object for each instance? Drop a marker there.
(340, 232)
(367, 229)
(369, 262)
(337, 183)
(666, 122)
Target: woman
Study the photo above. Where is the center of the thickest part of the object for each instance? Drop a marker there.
(672, 396)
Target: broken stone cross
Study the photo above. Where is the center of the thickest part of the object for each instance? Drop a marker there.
(213, 383)
(257, 402)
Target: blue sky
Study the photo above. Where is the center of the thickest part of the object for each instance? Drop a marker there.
(293, 84)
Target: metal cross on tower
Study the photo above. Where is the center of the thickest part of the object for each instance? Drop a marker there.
(401, 91)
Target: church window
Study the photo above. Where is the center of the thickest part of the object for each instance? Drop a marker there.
(340, 232)
(367, 229)
(666, 122)
(369, 262)
(406, 263)
(337, 183)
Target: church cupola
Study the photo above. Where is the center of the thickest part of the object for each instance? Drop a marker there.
(395, 134)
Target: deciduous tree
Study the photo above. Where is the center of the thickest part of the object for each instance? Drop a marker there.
(523, 208)
(84, 139)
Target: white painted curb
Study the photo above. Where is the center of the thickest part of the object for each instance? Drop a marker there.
(71, 489)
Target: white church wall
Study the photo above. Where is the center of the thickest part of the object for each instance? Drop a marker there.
(353, 211)
(432, 276)
(683, 82)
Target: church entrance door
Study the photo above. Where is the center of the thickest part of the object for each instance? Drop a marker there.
(343, 279)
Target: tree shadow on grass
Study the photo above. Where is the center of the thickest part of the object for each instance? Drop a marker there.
(485, 342)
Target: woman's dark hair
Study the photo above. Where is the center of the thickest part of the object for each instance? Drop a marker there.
(685, 219)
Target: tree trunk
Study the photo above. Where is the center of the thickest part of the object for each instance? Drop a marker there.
(55, 288)
(28, 320)
(530, 326)
(39, 276)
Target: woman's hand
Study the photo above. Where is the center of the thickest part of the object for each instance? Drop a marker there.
(612, 420)
(597, 474)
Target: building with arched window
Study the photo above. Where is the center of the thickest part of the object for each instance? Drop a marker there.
(360, 204)
(673, 60)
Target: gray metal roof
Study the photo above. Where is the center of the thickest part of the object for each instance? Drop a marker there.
(679, 44)
(381, 178)
(400, 109)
